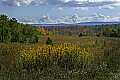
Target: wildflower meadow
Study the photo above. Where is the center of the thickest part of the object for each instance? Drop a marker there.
(84, 58)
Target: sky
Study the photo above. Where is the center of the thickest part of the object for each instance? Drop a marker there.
(61, 11)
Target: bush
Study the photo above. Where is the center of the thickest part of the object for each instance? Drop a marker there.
(82, 34)
(111, 32)
(49, 41)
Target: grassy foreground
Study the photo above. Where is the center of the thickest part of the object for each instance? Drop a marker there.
(70, 58)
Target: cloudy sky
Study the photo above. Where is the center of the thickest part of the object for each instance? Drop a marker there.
(61, 11)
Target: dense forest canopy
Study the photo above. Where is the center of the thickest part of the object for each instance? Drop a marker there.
(13, 31)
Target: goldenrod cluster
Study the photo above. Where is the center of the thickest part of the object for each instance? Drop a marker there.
(56, 53)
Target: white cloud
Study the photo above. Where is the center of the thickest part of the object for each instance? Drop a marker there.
(114, 19)
(21, 2)
(45, 19)
(116, 4)
(63, 3)
(80, 8)
(59, 8)
(75, 18)
(93, 17)
(29, 20)
(106, 7)
(98, 17)
(69, 19)
(60, 20)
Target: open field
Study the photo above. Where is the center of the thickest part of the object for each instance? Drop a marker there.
(70, 58)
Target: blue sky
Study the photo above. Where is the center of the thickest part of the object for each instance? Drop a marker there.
(61, 11)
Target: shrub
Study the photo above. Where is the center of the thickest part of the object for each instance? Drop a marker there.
(82, 34)
(49, 41)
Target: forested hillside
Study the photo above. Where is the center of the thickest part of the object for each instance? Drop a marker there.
(13, 31)
(88, 30)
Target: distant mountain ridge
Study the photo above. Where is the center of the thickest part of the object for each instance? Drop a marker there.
(78, 24)
(100, 22)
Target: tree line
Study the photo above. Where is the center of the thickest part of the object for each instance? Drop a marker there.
(13, 31)
(111, 32)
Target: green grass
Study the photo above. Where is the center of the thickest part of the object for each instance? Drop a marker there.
(106, 64)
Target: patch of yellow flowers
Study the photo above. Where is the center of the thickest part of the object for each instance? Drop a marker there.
(55, 53)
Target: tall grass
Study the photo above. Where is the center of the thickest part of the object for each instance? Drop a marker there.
(86, 58)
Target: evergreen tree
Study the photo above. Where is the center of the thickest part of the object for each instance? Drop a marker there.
(118, 31)
(106, 31)
(49, 41)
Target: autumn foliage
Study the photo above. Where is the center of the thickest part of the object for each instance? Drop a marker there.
(42, 30)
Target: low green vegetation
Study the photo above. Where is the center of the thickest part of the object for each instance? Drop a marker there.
(84, 58)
